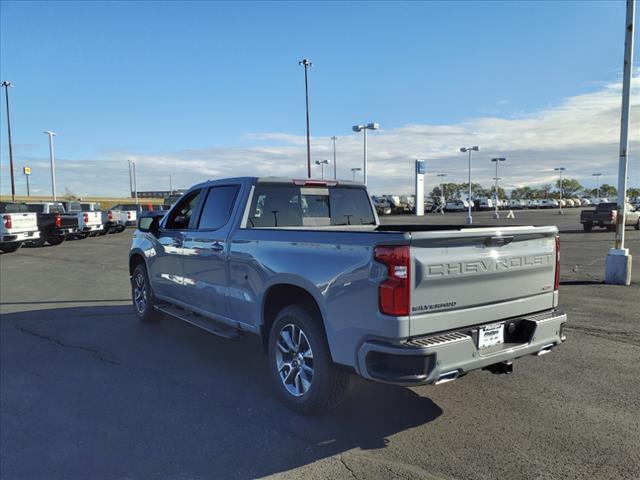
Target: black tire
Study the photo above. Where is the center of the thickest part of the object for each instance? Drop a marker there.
(141, 293)
(103, 232)
(93, 234)
(611, 228)
(120, 229)
(36, 243)
(637, 225)
(328, 383)
(587, 227)
(82, 236)
(10, 247)
(57, 240)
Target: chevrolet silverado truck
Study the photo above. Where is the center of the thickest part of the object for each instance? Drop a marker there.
(306, 266)
(89, 222)
(18, 226)
(54, 224)
(605, 215)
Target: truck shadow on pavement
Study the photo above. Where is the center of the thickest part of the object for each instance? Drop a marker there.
(117, 398)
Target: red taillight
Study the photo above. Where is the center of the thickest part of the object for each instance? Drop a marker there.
(58, 221)
(394, 293)
(85, 217)
(8, 222)
(128, 215)
(110, 215)
(556, 283)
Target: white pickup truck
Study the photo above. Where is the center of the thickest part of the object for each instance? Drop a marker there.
(18, 226)
(88, 222)
(129, 212)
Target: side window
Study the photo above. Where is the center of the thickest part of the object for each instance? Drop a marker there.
(217, 208)
(181, 215)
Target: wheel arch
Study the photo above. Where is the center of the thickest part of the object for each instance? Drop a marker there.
(281, 295)
(135, 259)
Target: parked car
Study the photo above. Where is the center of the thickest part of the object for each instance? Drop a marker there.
(130, 211)
(548, 203)
(569, 203)
(515, 204)
(89, 222)
(382, 205)
(577, 202)
(456, 206)
(485, 203)
(19, 225)
(305, 265)
(585, 202)
(605, 215)
(54, 223)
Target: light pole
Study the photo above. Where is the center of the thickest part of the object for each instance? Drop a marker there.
(475, 148)
(129, 162)
(7, 86)
(560, 170)
(306, 64)
(618, 263)
(597, 175)
(135, 184)
(322, 163)
(335, 171)
(53, 163)
(354, 170)
(363, 129)
(496, 215)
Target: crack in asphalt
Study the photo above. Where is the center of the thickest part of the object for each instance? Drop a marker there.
(344, 464)
(95, 353)
(608, 334)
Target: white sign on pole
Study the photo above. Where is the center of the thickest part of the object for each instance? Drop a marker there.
(421, 168)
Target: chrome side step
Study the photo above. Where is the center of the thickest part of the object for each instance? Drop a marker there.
(211, 326)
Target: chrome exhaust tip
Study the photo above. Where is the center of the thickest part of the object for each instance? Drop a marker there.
(447, 377)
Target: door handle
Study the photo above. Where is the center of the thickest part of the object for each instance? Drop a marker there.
(217, 247)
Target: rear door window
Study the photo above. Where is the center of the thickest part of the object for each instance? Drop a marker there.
(218, 206)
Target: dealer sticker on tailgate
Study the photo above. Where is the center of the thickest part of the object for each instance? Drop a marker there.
(490, 335)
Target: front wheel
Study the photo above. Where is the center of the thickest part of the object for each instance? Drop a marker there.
(143, 300)
(300, 363)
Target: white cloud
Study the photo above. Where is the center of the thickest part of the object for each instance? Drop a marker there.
(581, 134)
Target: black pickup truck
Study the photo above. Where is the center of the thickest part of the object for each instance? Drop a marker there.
(605, 215)
(54, 224)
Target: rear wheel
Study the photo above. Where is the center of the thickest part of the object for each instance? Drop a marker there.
(36, 243)
(57, 240)
(143, 300)
(82, 235)
(587, 227)
(637, 225)
(300, 363)
(104, 231)
(10, 247)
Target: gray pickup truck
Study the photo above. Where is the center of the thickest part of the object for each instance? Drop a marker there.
(605, 215)
(306, 265)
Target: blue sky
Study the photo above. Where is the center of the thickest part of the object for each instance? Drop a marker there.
(197, 88)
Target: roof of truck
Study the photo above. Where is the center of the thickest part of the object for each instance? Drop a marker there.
(286, 180)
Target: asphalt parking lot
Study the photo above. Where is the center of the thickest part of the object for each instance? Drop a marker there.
(88, 392)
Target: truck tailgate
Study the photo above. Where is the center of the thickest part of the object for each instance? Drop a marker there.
(23, 222)
(475, 275)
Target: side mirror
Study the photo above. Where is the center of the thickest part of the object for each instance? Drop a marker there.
(149, 224)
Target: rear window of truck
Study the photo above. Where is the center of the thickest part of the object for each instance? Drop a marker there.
(301, 206)
(13, 208)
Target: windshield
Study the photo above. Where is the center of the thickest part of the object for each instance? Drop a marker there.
(295, 206)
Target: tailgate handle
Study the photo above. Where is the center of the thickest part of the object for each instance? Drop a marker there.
(497, 241)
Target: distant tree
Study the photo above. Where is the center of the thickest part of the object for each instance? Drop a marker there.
(546, 189)
(570, 187)
(633, 192)
(608, 191)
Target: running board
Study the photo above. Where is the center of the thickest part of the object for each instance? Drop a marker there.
(211, 326)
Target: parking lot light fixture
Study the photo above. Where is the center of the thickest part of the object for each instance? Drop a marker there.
(597, 175)
(560, 170)
(475, 148)
(322, 163)
(496, 215)
(353, 171)
(53, 163)
(363, 129)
